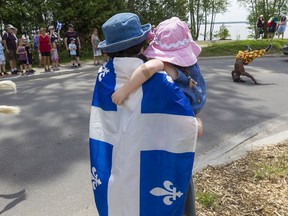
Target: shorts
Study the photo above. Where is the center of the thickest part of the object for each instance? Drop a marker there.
(12, 55)
(73, 57)
(281, 28)
(2, 62)
(22, 62)
(77, 52)
(45, 53)
(30, 60)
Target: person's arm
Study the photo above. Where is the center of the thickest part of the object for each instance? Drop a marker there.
(4, 39)
(50, 44)
(92, 42)
(65, 42)
(200, 127)
(79, 43)
(139, 76)
(38, 44)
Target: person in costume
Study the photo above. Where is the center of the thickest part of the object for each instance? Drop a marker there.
(245, 58)
(142, 151)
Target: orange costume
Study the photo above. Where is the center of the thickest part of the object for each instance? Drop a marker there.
(248, 56)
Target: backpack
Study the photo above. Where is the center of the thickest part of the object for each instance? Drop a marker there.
(197, 94)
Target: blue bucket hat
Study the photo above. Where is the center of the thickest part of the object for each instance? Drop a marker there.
(122, 31)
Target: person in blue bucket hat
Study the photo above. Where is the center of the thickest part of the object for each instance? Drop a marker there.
(142, 151)
(123, 31)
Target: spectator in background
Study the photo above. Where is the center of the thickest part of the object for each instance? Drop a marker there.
(272, 26)
(260, 27)
(73, 52)
(22, 55)
(36, 47)
(282, 26)
(54, 57)
(96, 51)
(10, 44)
(29, 51)
(44, 43)
(71, 33)
(53, 35)
(2, 60)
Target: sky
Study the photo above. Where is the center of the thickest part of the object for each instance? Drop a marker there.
(235, 12)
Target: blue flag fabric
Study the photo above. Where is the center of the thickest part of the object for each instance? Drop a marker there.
(141, 152)
(59, 25)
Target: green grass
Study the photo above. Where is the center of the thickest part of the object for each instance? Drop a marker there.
(272, 168)
(231, 48)
(207, 199)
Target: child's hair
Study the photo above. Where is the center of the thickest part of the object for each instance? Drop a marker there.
(132, 51)
(21, 41)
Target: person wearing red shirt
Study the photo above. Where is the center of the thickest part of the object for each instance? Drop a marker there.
(44, 47)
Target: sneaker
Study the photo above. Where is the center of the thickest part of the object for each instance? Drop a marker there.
(79, 64)
(6, 74)
(14, 72)
(269, 48)
(31, 71)
(248, 48)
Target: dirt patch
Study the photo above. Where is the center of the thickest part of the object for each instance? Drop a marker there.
(256, 184)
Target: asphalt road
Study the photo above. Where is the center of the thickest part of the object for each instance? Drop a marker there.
(44, 155)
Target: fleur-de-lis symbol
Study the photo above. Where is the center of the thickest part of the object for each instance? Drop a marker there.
(169, 192)
(102, 73)
(94, 178)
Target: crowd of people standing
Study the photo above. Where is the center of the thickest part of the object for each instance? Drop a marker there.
(44, 43)
(275, 25)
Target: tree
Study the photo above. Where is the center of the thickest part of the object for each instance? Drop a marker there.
(155, 11)
(223, 33)
(196, 17)
(265, 7)
(217, 6)
(204, 12)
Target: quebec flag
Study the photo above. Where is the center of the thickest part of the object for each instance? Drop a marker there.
(141, 152)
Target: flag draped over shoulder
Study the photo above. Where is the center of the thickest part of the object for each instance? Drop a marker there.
(141, 152)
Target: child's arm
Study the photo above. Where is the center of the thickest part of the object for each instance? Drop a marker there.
(200, 127)
(139, 76)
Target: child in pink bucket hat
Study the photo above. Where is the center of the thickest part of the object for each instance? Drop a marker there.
(174, 51)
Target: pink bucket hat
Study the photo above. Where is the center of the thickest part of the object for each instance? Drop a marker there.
(173, 43)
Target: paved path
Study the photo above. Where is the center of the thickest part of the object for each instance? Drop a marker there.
(268, 132)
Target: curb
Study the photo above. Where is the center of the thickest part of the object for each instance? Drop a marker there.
(63, 71)
(270, 132)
